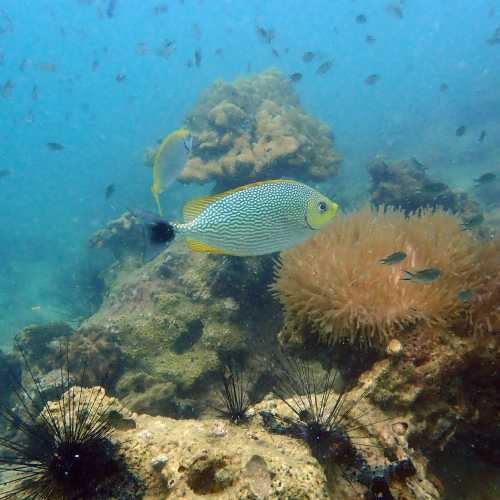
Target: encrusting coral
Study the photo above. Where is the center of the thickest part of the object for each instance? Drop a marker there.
(336, 285)
(255, 129)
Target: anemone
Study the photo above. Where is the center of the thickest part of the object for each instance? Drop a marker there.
(234, 401)
(333, 288)
(56, 450)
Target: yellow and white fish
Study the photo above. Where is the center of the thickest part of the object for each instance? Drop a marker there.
(256, 219)
(169, 160)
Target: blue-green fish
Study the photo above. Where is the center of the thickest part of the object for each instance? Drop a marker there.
(394, 258)
(424, 276)
(256, 219)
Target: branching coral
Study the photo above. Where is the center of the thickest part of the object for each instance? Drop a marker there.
(256, 129)
(336, 286)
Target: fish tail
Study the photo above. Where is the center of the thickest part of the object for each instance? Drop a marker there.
(409, 276)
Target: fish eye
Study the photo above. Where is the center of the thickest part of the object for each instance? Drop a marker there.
(322, 206)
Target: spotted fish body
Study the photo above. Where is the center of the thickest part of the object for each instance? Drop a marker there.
(257, 219)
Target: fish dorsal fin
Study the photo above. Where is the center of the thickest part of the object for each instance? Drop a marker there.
(194, 207)
(198, 246)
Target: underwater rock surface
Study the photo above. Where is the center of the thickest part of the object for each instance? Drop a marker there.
(254, 129)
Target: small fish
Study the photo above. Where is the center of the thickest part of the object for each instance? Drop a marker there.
(473, 222)
(48, 67)
(495, 38)
(324, 68)
(461, 131)
(443, 87)
(275, 53)
(167, 49)
(267, 35)
(372, 79)
(256, 219)
(296, 77)
(110, 11)
(7, 88)
(465, 295)
(34, 93)
(482, 136)
(23, 65)
(5, 173)
(141, 48)
(36, 308)
(395, 11)
(370, 39)
(95, 65)
(361, 19)
(308, 57)
(394, 258)
(419, 164)
(160, 9)
(424, 276)
(218, 52)
(55, 146)
(485, 178)
(109, 191)
(120, 77)
(197, 57)
(433, 188)
(189, 63)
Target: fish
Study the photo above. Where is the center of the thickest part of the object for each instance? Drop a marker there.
(141, 48)
(308, 57)
(424, 276)
(267, 35)
(167, 49)
(473, 222)
(275, 53)
(482, 136)
(433, 188)
(296, 77)
(256, 219)
(197, 57)
(95, 65)
(394, 258)
(495, 38)
(36, 308)
(55, 146)
(395, 11)
(169, 160)
(120, 77)
(7, 88)
(361, 19)
(48, 67)
(110, 11)
(4, 173)
(370, 39)
(219, 52)
(418, 164)
(34, 93)
(324, 68)
(372, 79)
(461, 131)
(485, 178)
(160, 9)
(443, 87)
(109, 191)
(465, 295)
(6, 25)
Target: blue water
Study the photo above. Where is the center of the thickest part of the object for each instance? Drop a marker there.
(54, 200)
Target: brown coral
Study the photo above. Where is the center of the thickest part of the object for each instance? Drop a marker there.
(255, 129)
(336, 285)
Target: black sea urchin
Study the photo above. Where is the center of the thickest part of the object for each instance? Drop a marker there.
(233, 395)
(59, 450)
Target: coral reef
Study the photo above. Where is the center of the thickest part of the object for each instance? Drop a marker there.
(211, 457)
(123, 237)
(335, 286)
(178, 318)
(255, 129)
(405, 185)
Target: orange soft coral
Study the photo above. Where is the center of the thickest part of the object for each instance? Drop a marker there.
(335, 287)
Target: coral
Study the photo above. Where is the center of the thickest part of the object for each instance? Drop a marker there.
(402, 185)
(123, 237)
(335, 286)
(255, 129)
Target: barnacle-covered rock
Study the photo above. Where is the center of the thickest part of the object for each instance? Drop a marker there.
(255, 129)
